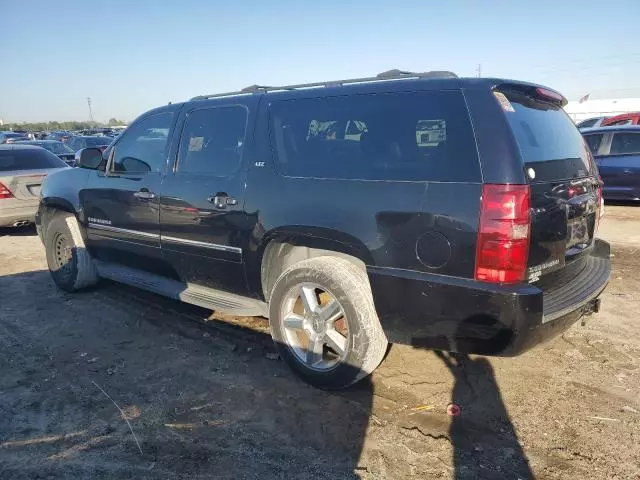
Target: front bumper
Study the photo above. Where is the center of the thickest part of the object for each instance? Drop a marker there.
(465, 316)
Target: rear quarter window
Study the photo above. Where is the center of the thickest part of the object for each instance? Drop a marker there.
(414, 136)
(593, 141)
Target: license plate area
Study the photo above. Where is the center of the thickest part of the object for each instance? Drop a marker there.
(578, 232)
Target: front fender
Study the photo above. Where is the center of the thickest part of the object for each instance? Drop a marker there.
(60, 191)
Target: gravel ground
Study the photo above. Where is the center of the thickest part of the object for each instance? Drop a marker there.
(209, 399)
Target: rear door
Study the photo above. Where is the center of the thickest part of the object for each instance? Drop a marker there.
(620, 167)
(560, 170)
(203, 222)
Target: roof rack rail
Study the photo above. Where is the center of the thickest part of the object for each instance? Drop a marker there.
(394, 74)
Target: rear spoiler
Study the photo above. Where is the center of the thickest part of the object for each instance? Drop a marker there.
(536, 91)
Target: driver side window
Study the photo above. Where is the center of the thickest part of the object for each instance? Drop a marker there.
(143, 147)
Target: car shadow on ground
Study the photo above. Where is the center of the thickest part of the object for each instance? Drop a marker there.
(209, 399)
(26, 231)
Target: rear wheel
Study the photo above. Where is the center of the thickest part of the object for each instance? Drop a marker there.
(324, 324)
(69, 262)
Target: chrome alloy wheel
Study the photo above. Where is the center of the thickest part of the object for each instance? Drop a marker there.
(314, 326)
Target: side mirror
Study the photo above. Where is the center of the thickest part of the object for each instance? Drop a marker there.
(90, 158)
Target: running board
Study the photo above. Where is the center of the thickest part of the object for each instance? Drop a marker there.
(194, 294)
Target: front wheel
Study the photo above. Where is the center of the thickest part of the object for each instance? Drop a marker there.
(69, 262)
(324, 324)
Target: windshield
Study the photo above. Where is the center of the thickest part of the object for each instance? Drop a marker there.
(549, 141)
(97, 141)
(58, 148)
(28, 159)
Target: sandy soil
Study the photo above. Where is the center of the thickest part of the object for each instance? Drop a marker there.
(207, 399)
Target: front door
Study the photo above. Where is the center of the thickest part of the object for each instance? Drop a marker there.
(121, 204)
(204, 228)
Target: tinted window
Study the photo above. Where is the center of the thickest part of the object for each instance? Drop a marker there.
(58, 147)
(625, 142)
(74, 144)
(549, 141)
(403, 136)
(28, 159)
(593, 141)
(587, 123)
(96, 141)
(621, 122)
(143, 147)
(213, 140)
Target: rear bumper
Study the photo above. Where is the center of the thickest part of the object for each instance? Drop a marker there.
(462, 315)
(9, 215)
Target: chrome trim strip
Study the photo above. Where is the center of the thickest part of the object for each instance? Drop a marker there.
(195, 243)
(109, 228)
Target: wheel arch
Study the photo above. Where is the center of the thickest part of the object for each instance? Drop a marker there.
(49, 206)
(283, 247)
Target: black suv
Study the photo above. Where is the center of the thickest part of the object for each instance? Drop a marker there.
(426, 209)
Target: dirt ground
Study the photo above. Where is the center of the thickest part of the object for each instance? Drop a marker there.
(209, 399)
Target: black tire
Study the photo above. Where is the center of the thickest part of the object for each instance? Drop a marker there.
(366, 342)
(70, 264)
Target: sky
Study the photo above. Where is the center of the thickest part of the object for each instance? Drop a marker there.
(130, 56)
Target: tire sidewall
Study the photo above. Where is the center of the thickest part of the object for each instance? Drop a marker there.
(350, 368)
(56, 226)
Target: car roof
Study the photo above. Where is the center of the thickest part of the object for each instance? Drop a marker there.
(612, 128)
(371, 85)
(90, 136)
(14, 146)
(624, 116)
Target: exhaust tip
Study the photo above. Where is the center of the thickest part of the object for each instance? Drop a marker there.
(20, 223)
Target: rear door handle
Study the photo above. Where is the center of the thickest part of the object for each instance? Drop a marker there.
(144, 193)
(627, 171)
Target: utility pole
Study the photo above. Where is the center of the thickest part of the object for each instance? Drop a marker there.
(479, 70)
(90, 112)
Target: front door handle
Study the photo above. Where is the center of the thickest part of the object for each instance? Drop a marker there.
(144, 193)
(627, 171)
(222, 200)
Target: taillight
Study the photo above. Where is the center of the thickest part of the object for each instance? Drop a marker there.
(503, 234)
(5, 192)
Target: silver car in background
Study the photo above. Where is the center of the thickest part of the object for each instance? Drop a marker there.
(22, 171)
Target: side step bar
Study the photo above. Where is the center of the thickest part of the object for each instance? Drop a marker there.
(218, 300)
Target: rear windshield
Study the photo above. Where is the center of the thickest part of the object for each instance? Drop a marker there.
(549, 141)
(28, 159)
(97, 141)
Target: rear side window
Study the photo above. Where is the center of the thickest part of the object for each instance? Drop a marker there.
(587, 123)
(549, 141)
(625, 143)
(414, 136)
(213, 140)
(28, 159)
(593, 141)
